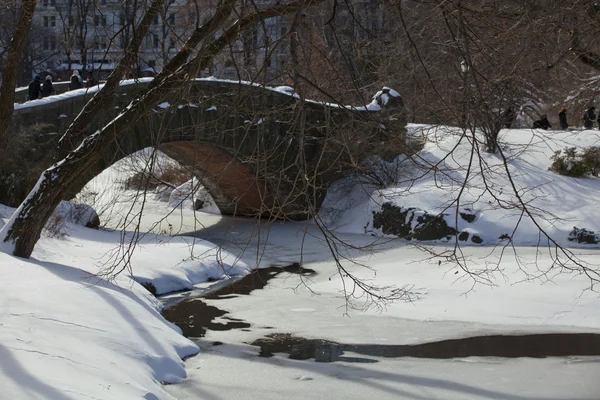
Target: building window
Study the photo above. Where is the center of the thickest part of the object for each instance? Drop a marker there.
(172, 18)
(155, 22)
(45, 3)
(283, 31)
(156, 42)
(50, 21)
(148, 41)
(99, 20)
(46, 43)
(53, 3)
(99, 43)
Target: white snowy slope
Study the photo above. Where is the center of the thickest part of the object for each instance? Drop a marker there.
(66, 333)
(522, 291)
(558, 202)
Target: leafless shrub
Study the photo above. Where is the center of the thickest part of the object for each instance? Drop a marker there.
(172, 176)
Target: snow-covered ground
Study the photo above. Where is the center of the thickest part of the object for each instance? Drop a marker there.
(434, 185)
(67, 334)
(443, 308)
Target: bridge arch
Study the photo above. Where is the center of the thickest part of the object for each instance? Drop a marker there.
(252, 147)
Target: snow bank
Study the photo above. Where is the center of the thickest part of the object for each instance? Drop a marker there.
(79, 214)
(67, 334)
(168, 263)
(192, 195)
(432, 185)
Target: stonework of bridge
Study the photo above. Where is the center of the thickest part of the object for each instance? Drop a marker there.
(258, 151)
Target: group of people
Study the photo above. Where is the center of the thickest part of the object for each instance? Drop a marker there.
(588, 120)
(543, 122)
(38, 90)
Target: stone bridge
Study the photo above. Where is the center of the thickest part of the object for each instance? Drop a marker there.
(258, 151)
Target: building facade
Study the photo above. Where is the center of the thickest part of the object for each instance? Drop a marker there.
(91, 35)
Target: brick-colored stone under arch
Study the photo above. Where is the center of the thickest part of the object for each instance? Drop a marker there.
(235, 189)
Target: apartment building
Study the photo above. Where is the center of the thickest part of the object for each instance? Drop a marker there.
(90, 35)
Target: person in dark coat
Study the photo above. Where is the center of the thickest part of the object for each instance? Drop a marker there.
(562, 117)
(47, 87)
(35, 87)
(75, 81)
(588, 117)
(542, 123)
(90, 80)
(509, 117)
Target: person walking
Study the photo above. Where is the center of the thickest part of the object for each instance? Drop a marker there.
(588, 117)
(562, 117)
(35, 87)
(75, 81)
(90, 80)
(47, 87)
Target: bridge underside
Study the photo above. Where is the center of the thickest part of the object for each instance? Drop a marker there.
(235, 189)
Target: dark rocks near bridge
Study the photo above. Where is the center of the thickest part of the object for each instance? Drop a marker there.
(468, 215)
(415, 224)
(411, 223)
